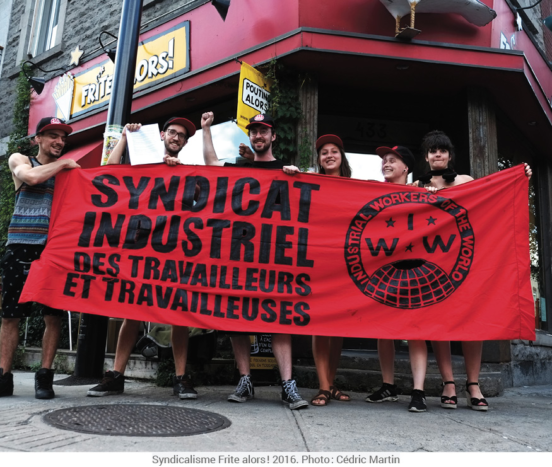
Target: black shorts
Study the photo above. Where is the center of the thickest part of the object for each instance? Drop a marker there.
(15, 267)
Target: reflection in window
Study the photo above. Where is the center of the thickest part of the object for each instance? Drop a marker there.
(45, 26)
(368, 167)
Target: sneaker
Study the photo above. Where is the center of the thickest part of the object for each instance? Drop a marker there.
(291, 396)
(182, 387)
(6, 383)
(244, 390)
(112, 383)
(418, 401)
(44, 378)
(387, 392)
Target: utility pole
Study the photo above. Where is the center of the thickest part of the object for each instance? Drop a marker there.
(93, 328)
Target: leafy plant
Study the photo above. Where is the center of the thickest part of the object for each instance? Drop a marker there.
(35, 329)
(285, 107)
(165, 372)
(18, 142)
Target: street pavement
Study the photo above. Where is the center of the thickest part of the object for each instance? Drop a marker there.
(518, 421)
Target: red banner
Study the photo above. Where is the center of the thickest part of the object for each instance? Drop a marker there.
(261, 251)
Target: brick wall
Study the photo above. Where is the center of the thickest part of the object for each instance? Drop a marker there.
(546, 11)
(83, 22)
(536, 15)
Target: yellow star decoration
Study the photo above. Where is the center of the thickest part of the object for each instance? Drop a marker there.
(75, 56)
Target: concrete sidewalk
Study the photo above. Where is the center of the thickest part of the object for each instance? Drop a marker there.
(518, 421)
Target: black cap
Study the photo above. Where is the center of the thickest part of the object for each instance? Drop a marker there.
(190, 127)
(53, 123)
(400, 151)
(261, 119)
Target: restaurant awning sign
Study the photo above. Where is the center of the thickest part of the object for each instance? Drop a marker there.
(160, 57)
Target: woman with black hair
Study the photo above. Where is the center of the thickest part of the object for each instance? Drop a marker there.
(439, 154)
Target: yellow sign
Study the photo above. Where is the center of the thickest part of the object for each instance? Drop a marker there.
(253, 95)
(262, 363)
(261, 352)
(162, 56)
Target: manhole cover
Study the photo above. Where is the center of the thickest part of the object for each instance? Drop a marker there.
(136, 420)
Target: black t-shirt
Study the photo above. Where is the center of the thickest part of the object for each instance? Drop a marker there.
(275, 164)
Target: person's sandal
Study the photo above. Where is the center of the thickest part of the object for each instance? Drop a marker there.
(337, 395)
(473, 402)
(322, 395)
(448, 402)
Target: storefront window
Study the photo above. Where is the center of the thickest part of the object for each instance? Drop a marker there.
(45, 26)
(226, 139)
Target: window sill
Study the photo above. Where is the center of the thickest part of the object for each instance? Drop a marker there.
(55, 51)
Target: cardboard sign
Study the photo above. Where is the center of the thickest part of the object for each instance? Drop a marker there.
(253, 95)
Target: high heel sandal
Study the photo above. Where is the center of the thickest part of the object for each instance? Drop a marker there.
(473, 402)
(446, 401)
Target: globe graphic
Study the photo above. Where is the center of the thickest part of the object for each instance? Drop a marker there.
(409, 284)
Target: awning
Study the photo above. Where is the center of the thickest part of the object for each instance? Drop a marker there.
(88, 156)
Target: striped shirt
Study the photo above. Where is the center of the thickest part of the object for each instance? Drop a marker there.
(31, 216)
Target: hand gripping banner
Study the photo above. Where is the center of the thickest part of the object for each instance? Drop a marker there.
(253, 250)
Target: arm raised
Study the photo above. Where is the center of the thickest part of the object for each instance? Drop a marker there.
(117, 154)
(209, 154)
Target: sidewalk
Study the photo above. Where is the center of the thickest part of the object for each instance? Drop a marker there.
(518, 421)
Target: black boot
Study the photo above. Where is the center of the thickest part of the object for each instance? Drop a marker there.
(44, 379)
(6, 383)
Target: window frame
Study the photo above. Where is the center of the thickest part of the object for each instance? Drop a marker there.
(45, 27)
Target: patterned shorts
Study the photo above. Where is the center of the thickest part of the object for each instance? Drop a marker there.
(15, 267)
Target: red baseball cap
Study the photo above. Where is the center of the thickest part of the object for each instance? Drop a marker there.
(53, 123)
(190, 127)
(325, 139)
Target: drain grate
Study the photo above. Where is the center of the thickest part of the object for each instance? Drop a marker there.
(136, 420)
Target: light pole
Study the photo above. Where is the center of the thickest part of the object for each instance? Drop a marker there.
(93, 328)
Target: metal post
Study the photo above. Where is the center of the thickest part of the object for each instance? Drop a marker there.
(125, 64)
(93, 328)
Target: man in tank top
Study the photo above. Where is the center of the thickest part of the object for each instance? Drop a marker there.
(27, 234)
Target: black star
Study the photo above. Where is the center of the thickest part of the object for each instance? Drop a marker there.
(409, 247)
(431, 220)
(390, 222)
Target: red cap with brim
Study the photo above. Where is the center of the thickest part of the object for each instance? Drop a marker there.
(190, 127)
(53, 123)
(326, 139)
